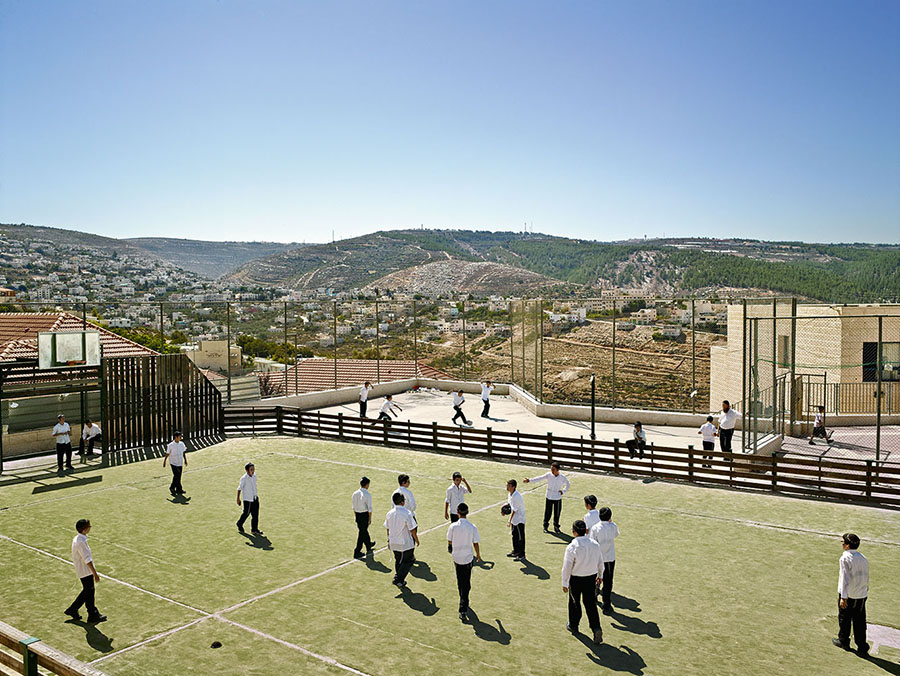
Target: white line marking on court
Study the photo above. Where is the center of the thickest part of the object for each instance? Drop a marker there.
(150, 640)
(328, 660)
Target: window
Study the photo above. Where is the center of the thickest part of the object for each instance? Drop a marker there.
(890, 358)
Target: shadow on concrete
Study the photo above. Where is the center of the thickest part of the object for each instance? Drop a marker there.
(488, 632)
(418, 601)
(95, 638)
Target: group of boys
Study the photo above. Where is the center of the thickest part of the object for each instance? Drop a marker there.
(389, 408)
(90, 435)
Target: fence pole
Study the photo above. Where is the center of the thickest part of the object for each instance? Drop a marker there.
(490, 441)
(415, 344)
(377, 345)
(512, 369)
(162, 331)
(774, 368)
(465, 372)
(793, 361)
(536, 387)
(774, 471)
(615, 455)
(693, 361)
(614, 356)
(542, 351)
(285, 348)
(334, 338)
(549, 446)
(745, 360)
(878, 394)
(434, 435)
(690, 461)
(279, 420)
(228, 349)
(29, 658)
(868, 479)
(524, 368)
(341, 424)
(754, 372)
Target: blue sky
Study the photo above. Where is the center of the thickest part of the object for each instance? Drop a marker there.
(287, 120)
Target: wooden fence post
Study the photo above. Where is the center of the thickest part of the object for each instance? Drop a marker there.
(615, 455)
(299, 423)
(434, 435)
(868, 479)
(340, 424)
(279, 420)
(29, 659)
(490, 441)
(385, 430)
(652, 465)
(690, 462)
(549, 446)
(774, 471)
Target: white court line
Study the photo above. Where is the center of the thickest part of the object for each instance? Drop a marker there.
(150, 640)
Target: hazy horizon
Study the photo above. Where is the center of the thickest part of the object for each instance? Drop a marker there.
(601, 121)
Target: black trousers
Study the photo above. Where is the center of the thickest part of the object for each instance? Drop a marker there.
(464, 584)
(175, 486)
(403, 563)
(362, 538)
(554, 507)
(63, 450)
(86, 598)
(725, 440)
(486, 409)
(90, 445)
(708, 446)
(635, 446)
(459, 414)
(609, 568)
(518, 539)
(853, 615)
(250, 509)
(385, 416)
(582, 592)
(363, 405)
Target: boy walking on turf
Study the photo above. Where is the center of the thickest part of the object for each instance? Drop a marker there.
(557, 485)
(462, 537)
(516, 521)
(818, 429)
(175, 455)
(708, 430)
(364, 398)
(402, 539)
(63, 443)
(458, 400)
(362, 512)
(403, 489)
(247, 490)
(853, 589)
(486, 388)
(582, 567)
(87, 574)
(605, 534)
(456, 493)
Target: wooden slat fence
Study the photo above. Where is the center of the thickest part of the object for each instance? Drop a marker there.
(841, 480)
(24, 654)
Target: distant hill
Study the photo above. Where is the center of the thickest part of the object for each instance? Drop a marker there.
(447, 277)
(23, 232)
(210, 259)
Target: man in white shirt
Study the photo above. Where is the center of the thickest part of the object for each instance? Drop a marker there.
(364, 398)
(90, 435)
(818, 429)
(456, 493)
(402, 539)
(582, 566)
(593, 516)
(708, 430)
(462, 537)
(557, 485)
(63, 443)
(853, 589)
(86, 573)
(362, 512)
(727, 420)
(403, 488)
(175, 455)
(605, 534)
(486, 388)
(458, 400)
(638, 441)
(516, 521)
(248, 491)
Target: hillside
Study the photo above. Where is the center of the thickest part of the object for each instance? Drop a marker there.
(71, 238)
(478, 277)
(210, 259)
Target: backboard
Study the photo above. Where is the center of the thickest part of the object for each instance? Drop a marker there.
(75, 348)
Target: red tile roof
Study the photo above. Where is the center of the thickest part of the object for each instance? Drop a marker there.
(317, 374)
(19, 331)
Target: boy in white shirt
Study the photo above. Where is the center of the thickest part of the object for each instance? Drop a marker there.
(593, 516)
(387, 410)
(177, 459)
(247, 490)
(403, 489)
(819, 427)
(86, 573)
(90, 434)
(362, 513)
(462, 538)
(605, 534)
(708, 430)
(515, 508)
(486, 388)
(402, 539)
(364, 398)
(63, 443)
(638, 441)
(557, 486)
(456, 493)
(458, 400)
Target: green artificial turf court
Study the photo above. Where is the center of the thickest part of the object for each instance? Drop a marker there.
(707, 581)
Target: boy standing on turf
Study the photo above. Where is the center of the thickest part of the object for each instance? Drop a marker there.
(516, 521)
(247, 491)
(581, 570)
(175, 455)
(458, 400)
(853, 590)
(708, 430)
(462, 537)
(362, 512)
(486, 388)
(63, 443)
(402, 538)
(87, 574)
(403, 489)
(557, 485)
(364, 398)
(456, 493)
(593, 516)
(605, 534)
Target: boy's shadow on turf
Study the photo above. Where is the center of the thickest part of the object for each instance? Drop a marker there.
(418, 601)
(180, 500)
(258, 542)
(890, 667)
(488, 632)
(611, 657)
(562, 537)
(635, 625)
(95, 638)
(422, 571)
(529, 568)
(374, 564)
(624, 603)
